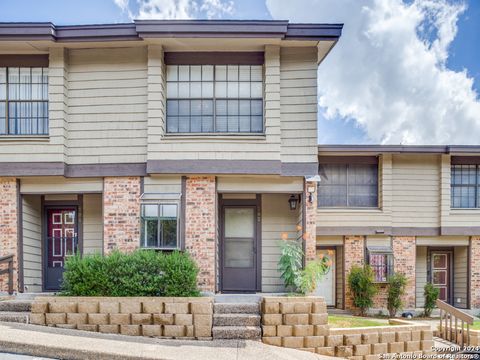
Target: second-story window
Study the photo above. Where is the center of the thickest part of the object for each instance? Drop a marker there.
(23, 101)
(215, 99)
(465, 186)
(348, 185)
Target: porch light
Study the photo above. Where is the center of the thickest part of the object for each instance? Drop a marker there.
(293, 201)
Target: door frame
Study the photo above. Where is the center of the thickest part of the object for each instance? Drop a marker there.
(450, 265)
(257, 203)
(59, 204)
(334, 248)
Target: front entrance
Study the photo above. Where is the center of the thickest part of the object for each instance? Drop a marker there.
(239, 246)
(61, 241)
(326, 286)
(441, 273)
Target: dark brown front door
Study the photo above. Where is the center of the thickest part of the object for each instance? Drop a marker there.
(441, 267)
(60, 242)
(239, 248)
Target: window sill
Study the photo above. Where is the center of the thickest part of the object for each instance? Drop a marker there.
(24, 137)
(465, 211)
(350, 209)
(215, 136)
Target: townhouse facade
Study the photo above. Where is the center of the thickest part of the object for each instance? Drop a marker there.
(201, 136)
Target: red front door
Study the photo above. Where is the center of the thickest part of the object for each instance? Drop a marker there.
(61, 242)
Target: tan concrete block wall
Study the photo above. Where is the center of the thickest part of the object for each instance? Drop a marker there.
(164, 317)
(121, 213)
(8, 227)
(200, 227)
(302, 323)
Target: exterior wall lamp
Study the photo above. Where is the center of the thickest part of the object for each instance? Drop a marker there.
(293, 202)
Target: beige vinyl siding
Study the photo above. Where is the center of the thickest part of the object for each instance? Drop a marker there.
(460, 276)
(454, 217)
(329, 240)
(277, 218)
(32, 242)
(379, 217)
(92, 224)
(60, 185)
(298, 104)
(259, 184)
(339, 279)
(416, 191)
(162, 184)
(107, 98)
(49, 148)
(219, 147)
(420, 275)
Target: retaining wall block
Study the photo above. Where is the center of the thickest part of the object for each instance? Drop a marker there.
(62, 307)
(163, 319)
(139, 319)
(88, 307)
(327, 351)
(151, 330)
(108, 329)
(314, 341)
(272, 340)
(379, 348)
(120, 319)
(343, 351)
(294, 342)
(352, 339)
(55, 318)
(130, 307)
(361, 349)
(132, 330)
(76, 318)
(108, 307)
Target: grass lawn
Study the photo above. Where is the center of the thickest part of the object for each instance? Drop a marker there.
(344, 321)
(476, 325)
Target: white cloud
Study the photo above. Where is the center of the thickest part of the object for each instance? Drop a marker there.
(388, 72)
(176, 9)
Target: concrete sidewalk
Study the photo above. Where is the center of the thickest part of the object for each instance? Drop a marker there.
(75, 344)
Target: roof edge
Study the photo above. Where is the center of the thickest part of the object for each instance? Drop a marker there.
(140, 29)
(423, 149)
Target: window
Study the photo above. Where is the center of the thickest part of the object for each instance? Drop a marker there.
(23, 101)
(465, 186)
(159, 226)
(348, 185)
(381, 261)
(214, 99)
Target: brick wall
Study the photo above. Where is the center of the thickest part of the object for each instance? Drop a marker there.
(475, 272)
(404, 253)
(354, 253)
(121, 213)
(8, 225)
(310, 233)
(200, 227)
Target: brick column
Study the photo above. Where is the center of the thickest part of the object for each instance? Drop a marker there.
(475, 272)
(404, 254)
(310, 234)
(200, 227)
(121, 214)
(354, 254)
(8, 227)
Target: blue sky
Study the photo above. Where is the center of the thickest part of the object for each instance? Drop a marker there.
(347, 115)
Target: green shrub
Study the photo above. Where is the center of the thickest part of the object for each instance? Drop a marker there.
(296, 278)
(396, 289)
(140, 273)
(363, 287)
(431, 294)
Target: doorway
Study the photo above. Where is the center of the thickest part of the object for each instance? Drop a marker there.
(60, 242)
(326, 285)
(240, 260)
(441, 267)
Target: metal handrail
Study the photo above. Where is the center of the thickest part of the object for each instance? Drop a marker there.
(8, 259)
(447, 331)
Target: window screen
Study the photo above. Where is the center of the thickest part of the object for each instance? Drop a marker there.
(214, 98)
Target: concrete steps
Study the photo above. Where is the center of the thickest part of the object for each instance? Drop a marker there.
(236, 317)
(16, 317)
(17, 311)
(236, 320)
